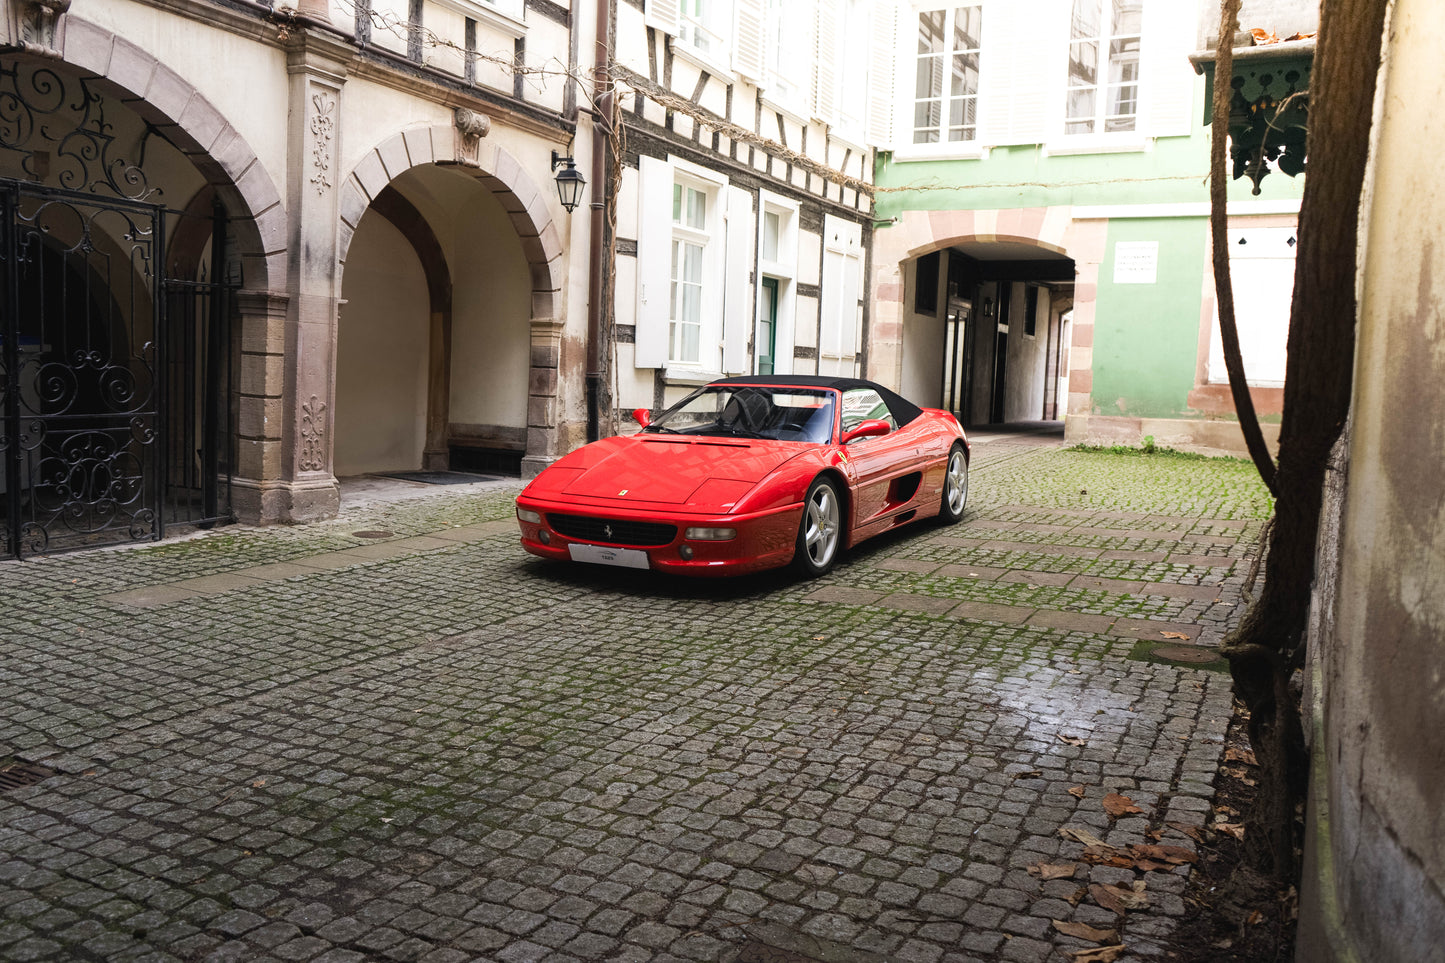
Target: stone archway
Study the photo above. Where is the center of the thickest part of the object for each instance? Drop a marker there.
(257, 219)
(464, 147)
(1051, 229)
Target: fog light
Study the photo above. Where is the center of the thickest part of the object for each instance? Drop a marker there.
(529, 516)
(686, 553)
(545, 537)
(711, 534)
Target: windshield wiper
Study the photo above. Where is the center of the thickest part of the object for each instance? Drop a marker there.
(663, 428)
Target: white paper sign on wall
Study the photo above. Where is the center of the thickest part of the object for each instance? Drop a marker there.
(1136, 262)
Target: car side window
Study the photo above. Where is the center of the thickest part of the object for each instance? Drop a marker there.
(861, 404)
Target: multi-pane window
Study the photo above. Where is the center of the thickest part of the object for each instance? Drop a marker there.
(689, 245)
(787, 22)
(1103, 86)
(945, 98)
(704, 25)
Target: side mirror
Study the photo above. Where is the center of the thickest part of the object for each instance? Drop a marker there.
(867, 429)
(642, 416)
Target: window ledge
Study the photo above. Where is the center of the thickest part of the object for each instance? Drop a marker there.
(965, 150)
(715, 68)
(499, 16)
(1132, 144)
(679, 374)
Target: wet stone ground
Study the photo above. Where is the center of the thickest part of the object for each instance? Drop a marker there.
(300, 744)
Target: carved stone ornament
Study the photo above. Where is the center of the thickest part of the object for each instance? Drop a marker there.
(471, 128)
(323, 126)
(313, 435)
(38, 22)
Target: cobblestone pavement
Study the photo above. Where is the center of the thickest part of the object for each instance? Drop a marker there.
(302, 744)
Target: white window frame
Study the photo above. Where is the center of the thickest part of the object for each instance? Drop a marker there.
(787, 24)
(505, 16)
(905, 83)
(784, 269)
(715, 26)
(942, 128)
(710, 239)
(1100, 137)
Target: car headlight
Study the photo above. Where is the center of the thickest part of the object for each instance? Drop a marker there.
(710, 534)
(527, 515)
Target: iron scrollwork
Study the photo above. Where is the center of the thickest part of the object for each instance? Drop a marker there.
(58, 126)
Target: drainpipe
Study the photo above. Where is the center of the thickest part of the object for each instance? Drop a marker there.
(601, 127)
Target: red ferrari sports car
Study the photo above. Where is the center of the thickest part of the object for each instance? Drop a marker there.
(748, 474)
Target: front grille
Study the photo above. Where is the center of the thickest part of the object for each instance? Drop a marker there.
(612, 530)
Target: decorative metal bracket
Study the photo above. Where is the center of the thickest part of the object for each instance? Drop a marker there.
(1269, 107)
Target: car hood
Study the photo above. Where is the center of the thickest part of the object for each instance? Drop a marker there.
(701, 474)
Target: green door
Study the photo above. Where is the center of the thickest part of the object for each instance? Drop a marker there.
(768, 327)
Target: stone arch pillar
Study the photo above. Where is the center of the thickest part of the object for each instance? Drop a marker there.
(463, 144)
(258, 221)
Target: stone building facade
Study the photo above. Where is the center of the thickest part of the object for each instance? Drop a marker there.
(358, 195)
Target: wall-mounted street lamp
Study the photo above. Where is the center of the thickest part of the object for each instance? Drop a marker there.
(569, 182)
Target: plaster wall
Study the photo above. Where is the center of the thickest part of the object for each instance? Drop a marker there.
(923, 339)
(1027, 356)
(491, 308)
(381, 354)
(1375, 871)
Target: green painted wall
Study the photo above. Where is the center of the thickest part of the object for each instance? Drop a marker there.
(1174, 171)
(1146, 336)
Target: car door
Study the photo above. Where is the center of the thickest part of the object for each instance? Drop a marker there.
(877, 461)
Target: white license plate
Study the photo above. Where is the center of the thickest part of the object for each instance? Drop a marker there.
(603, 555)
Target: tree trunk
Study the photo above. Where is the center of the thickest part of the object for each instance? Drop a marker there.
(1268, 646)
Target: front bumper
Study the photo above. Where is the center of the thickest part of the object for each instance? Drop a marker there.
(764, 539)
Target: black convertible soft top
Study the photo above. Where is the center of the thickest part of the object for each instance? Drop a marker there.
(901, 408)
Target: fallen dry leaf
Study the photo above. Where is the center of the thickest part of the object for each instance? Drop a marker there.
(1048, 871)
(1078, 894)
(1028, 774)
(1104, 954)
(1084, 931)
(1193, 832)
(258, 784)
(1175, 635)
(1080, 835)
(1117, 805)
(1254, 919)
(1177, 855)
(1108, 856)
(1233, 829)
(1076, 791)
(1118, 898)
(1070, 740)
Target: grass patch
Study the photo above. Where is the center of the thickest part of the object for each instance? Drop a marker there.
(1149, 448)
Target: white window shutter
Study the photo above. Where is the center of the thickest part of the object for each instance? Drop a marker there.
(662, 14)
(1019, 68)
(1167, 80)
(882, 68)
(748, 39)
(825, 61)
(737, 291)
(654, 261)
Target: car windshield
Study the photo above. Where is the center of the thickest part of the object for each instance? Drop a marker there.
(751, 411)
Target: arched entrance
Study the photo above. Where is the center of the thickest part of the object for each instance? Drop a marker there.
(115, 322)
(985, 330)
(447, 348)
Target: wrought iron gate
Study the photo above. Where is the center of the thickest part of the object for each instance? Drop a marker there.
(115, 380)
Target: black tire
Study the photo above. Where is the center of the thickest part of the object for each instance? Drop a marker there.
(820, 533)
(954, 499)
